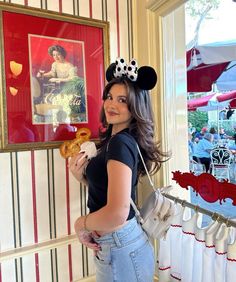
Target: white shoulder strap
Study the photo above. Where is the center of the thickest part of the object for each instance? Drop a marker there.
(148, 175)
(150, 181)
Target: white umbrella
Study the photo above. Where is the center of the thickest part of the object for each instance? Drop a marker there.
(210, 64)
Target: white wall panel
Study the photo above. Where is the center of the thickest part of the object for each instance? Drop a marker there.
(6, 208)
(60, 193)
(97, 9)
(67, 6)
(25, 196)
(74, 200)
(123, 27)
(28, 266)
(63, 265)
(34, 3)
(41, 183)
(84, 8)
(21, 2)
(111, 11)
(76, 250)
(175, 98)
(45, 266)
(53, 5)
(8, 271)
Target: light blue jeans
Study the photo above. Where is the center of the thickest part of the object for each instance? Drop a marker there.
(126, 255)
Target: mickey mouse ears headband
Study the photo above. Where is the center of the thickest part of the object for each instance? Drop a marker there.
(145, 77)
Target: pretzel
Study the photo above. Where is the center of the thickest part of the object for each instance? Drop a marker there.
(83, 133)
(64, 149)
(72, 147)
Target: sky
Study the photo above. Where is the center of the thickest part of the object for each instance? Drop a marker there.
(222, 26)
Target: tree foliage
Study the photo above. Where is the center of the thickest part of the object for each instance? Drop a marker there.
(195, 8)
(198, 119)
(200, 10)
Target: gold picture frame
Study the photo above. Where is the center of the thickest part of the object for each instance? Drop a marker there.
(52, 76)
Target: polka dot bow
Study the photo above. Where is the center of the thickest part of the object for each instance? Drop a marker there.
(122, 69)
(144, 77)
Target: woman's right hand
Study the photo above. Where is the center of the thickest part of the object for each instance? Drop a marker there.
(77, 165)
(40, 73)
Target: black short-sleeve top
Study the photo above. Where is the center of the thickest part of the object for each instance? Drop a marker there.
(121, 147)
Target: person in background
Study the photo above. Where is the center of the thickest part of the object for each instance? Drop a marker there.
(203, 149)
(222, 114)
(191, 129)
(229, 113)
(122, 249)
(190, 145)
(214, 133)
(222, 134)
(199, 135)
(196, 140)
(233, 137)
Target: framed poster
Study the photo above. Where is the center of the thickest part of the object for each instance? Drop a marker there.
(53, 72)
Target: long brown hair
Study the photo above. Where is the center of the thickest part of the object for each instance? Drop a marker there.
(141, 126)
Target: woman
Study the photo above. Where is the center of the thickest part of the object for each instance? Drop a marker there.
(122, 249)
(61, 70)
(65, 89)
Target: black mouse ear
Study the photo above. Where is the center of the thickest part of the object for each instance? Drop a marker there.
(110, 72)
(147, 78)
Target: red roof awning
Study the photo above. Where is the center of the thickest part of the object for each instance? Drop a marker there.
(213, 101)
(227, 96)
(199, 102)
(233, 104)
(201, 77)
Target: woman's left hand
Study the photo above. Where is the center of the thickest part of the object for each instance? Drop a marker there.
(85, 237)
(54, 79)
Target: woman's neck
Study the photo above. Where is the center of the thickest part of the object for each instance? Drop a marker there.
(114, 132)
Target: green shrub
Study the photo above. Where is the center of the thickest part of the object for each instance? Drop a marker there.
(198, 119)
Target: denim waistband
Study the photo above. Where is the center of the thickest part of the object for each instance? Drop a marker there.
(124, 235)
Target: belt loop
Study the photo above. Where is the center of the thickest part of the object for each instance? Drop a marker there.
(116, 239)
